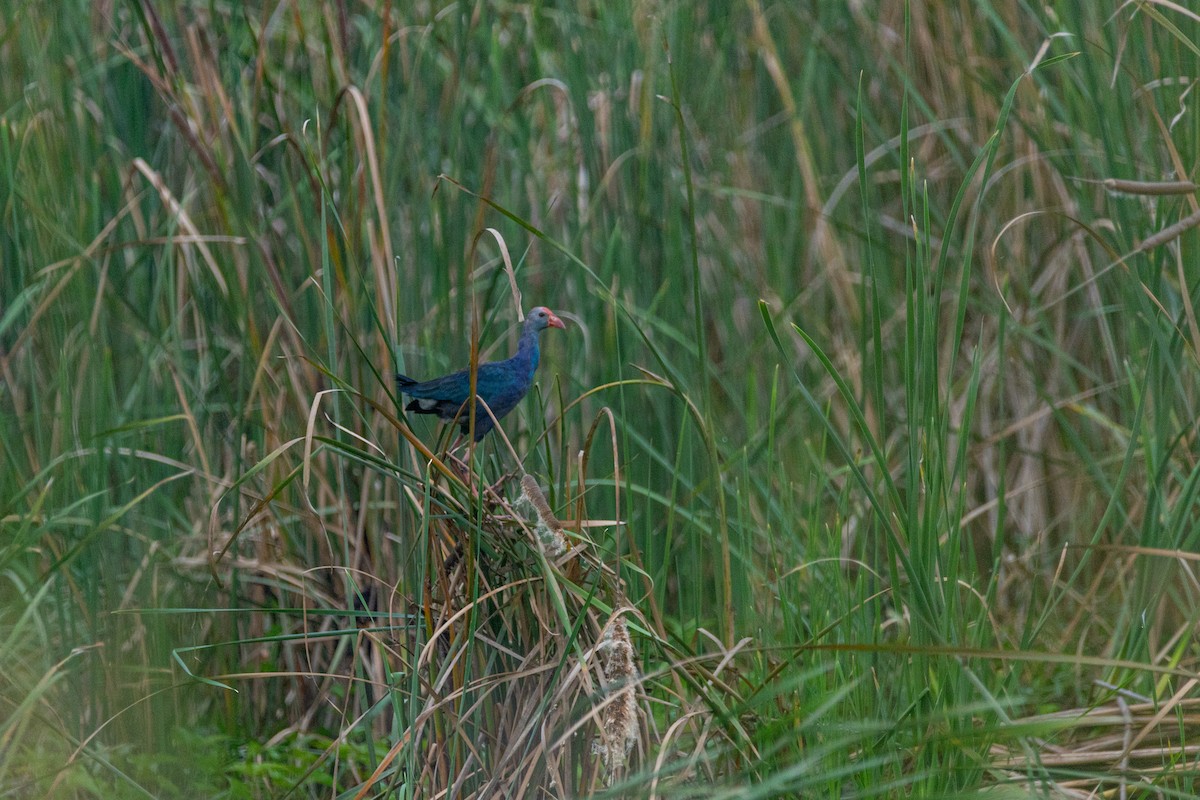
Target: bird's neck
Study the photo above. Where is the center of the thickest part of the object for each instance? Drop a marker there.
(527, 351)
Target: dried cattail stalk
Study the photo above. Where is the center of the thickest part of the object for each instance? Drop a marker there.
(1168, 233)
(618, 727)
(549, 530)
(1149, 188)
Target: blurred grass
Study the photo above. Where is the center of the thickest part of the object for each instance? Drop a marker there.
(893, 397)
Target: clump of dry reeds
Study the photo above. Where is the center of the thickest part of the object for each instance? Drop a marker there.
(1112, 749)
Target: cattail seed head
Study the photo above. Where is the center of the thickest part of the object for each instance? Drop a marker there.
(549, 530)
(618, 728)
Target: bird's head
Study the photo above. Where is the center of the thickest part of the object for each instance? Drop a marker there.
(541, 318)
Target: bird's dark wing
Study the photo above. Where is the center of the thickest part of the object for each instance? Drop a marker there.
(451, 388)
(501, 384)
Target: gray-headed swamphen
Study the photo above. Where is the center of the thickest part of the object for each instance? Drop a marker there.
(501, 384)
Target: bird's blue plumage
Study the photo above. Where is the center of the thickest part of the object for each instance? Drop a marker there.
(501, 384)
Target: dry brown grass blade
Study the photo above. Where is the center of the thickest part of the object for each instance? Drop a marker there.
(824, 247)
(185, 221)
(47, 301)
(383, 261)
(1167, 4)
(1100, 741)
(509, 272)
(180, 107)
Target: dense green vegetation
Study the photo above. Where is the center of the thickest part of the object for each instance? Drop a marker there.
(873, 428)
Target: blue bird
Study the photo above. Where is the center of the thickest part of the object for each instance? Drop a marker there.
(501, 384)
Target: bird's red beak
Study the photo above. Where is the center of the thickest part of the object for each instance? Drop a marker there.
(554, 321)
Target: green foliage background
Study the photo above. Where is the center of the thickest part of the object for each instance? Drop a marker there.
(882, 349)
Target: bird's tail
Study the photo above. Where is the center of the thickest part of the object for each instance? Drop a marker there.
(403, 381)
